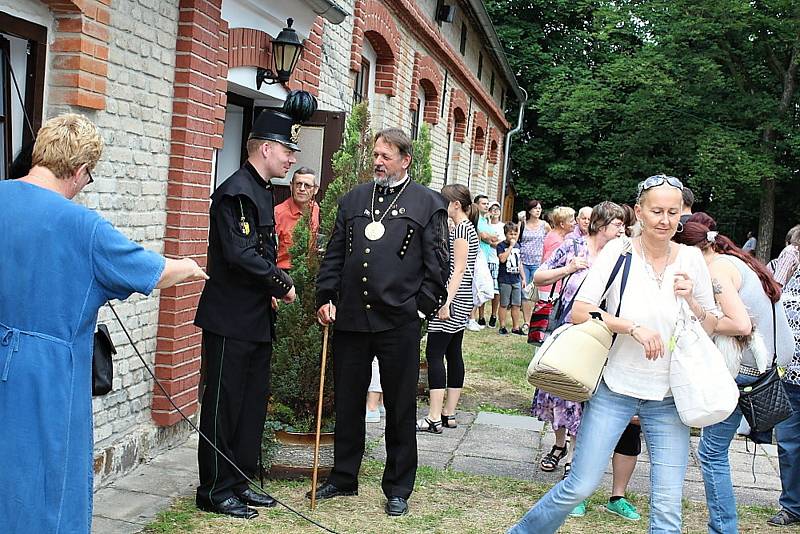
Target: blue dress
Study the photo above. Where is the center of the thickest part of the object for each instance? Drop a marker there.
(59, 262)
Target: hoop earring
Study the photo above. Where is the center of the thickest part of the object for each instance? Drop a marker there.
(680, 228)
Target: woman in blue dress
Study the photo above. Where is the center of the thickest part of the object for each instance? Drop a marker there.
(60, 263)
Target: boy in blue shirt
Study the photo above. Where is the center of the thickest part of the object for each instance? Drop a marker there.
(511, 278)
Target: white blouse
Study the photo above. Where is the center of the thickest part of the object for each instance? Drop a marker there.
(628, 371)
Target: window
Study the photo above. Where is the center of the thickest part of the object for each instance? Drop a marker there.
(491, 85)
(444, 94)
(5, 104)
(439, 5)
(503, 100)
(415, 119)
(463, 47)
(361, 87)
(22, 60)
(480, 65)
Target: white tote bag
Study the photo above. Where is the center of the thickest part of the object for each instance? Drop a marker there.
(703, 388)
(482, 281)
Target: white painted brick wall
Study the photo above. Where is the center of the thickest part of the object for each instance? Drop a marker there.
(130, 191)
(336, 80)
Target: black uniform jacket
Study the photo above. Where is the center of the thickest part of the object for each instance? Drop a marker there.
(236, 300)
(380, 285)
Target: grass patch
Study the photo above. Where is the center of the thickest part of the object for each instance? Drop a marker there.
(444, 501)
(495, 368)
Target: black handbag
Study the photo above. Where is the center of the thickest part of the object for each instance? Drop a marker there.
(764, 403)
(102, 364)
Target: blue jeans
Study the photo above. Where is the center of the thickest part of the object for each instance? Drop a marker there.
(529, 269)
(713, 454)
(605, 417)
(788, 434)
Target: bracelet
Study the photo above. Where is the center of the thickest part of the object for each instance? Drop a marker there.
(633, 328)
(703, 318)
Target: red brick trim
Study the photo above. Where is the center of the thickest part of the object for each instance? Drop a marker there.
(494, 145)
(431, 79)
(431, 37)
(372, 21)
(414, 83)
(480, 125)
(80, 52)
(306, 75)
(358, 35)
(249, 48)
(198, 112)
(457, 115)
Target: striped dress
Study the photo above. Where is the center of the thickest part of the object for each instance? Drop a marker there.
(462, 306)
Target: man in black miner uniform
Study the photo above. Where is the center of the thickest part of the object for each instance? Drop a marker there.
(237, 315)
(384, 269)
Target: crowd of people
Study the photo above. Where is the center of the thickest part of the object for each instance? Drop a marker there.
(430, 242)
(676, 255)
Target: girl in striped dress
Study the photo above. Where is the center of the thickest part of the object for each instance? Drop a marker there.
(446, 331)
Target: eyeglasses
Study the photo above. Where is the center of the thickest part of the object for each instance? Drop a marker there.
(89, 173)
(657, 180)
(618, 224)
(301, 185)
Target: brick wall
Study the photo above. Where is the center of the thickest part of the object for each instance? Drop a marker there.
(201, 68)
(336, 80)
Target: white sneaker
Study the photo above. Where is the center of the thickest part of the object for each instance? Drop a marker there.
(473, 326)
(373, 416)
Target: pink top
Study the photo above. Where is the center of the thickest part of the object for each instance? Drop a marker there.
(552, 241)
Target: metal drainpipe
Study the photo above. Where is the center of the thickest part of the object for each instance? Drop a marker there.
(508, 148)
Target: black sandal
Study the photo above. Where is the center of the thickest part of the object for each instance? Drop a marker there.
(426, 425)
(567, 469)
(551, 459)
(449, 421)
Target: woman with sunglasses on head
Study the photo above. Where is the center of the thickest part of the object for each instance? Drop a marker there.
(636, 377)
(746, 294)
(570, 263)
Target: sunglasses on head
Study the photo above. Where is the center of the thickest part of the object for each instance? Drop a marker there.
(657, 180)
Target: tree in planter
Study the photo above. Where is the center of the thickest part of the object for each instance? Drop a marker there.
(421, 169)
(297, 352)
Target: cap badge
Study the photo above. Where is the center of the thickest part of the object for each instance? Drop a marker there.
(295, 133)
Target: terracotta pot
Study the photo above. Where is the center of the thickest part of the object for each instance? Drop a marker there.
(294, 456)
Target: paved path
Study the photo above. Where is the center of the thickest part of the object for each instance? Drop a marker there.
(483, 444)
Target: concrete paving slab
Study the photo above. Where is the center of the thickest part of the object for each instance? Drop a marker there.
(521, 422)
(130, 506)
(509, 444)
(447, 441)
(439, 460)
(182, 458)
(103, 525)
(151, 479)
(493, 467)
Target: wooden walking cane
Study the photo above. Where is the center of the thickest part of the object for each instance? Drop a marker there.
(319, 414)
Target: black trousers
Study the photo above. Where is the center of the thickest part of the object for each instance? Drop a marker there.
(232, 414)
(398, 356)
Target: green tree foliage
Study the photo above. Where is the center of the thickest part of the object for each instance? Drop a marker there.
(421, 169)
(705, 90)
(297, 352)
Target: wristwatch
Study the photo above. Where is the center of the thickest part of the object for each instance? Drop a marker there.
(633, 327)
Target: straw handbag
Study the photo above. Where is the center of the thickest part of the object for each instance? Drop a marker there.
(570, 362)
